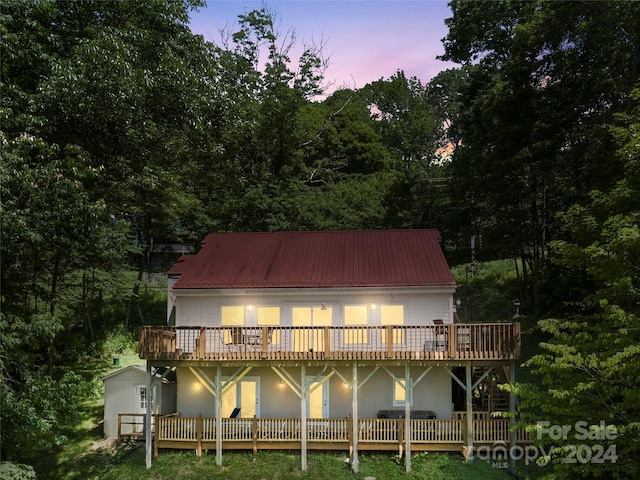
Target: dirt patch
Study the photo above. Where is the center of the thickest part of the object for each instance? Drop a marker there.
(103, 445)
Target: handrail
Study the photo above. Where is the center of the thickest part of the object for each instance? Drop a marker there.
(322, 433)
(486, 341)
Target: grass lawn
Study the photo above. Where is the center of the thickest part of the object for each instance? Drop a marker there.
(273, 465)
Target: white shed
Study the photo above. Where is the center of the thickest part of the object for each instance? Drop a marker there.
(125, 392)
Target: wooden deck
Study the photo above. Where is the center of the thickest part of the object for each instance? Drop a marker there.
(486, 341)
(199, 434)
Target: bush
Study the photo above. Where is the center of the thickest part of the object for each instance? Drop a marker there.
(16, 471)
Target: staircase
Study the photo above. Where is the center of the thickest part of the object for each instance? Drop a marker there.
(489, 397)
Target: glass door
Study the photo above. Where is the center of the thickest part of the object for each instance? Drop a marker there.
(307, 339)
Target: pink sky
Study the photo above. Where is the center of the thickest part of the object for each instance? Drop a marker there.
(365, 39)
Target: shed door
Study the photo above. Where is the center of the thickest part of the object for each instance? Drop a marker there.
(140, 399)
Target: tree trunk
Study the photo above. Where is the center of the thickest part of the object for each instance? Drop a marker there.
(52, 308)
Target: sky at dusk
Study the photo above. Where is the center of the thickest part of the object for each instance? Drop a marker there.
(365, 40)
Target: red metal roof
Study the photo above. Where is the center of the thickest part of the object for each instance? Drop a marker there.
(367, 258)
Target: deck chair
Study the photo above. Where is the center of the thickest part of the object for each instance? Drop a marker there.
(235, 413)
(440, 335)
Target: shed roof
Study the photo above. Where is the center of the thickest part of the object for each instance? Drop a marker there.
(366, 258)
(137, 369)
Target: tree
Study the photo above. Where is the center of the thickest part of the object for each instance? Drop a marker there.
(128, 86)
(532, 135)
(402, 110)
(36, 407)
(589, 369)
(101, 101)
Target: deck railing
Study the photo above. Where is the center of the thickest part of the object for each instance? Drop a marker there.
(199, 433)
(487, 341)
(131, 426)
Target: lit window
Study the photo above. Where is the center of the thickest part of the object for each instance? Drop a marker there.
(270, 316)
(392, 315)
(399, 392)
(232, 317)
(355, 315)
(310, 339)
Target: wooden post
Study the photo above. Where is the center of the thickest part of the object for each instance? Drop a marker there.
(218, 409)
(350, 438)
(354, 419)
(469, 435)
(199, 435)
(147, 418)
(303, 417)
(119, 427)
(156, 436)
(453, 344)
(202, 345)
(327, 342)
(491, 386)
(389, 341)
(408, 399)
(265, 339)
(400, 429)
(512, 423)
(254, 437)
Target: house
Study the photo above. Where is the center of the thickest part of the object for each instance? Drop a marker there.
(125, 400)
(326, 340)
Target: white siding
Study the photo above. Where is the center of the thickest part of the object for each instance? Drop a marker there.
(197, 311)
(120, 397)
(193, 398)
(420, 308)
(277, 400)
(426, 308)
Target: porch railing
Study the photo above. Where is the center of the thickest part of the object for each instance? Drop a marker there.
(131, 426)
(488, 341)
(199, 433)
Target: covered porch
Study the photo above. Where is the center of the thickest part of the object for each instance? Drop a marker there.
(404, 430)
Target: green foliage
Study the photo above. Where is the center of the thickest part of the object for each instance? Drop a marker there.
(590, 366)
(489, 295)
(16, 471)
(35, 406)
(529, 123)
(402, 109)
(588, 372)
(118, 341)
